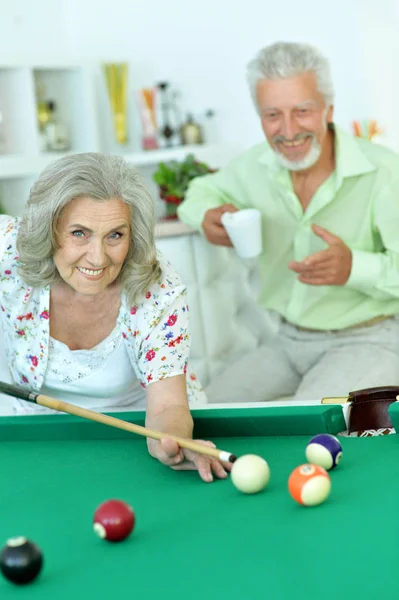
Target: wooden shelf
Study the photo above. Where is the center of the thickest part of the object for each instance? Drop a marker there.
(23, 165)
(80, 96)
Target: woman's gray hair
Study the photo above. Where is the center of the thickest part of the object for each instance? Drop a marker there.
(100, 177)
(283, 60)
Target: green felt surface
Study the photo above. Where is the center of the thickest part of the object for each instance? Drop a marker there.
(195, 540)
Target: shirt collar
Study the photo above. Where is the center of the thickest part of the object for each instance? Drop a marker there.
(350, 159)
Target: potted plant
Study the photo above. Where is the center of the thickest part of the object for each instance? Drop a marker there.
(173, 179)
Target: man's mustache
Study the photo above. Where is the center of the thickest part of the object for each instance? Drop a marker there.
(297, 138)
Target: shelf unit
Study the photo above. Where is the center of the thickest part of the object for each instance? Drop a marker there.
(21, 165)
(82, 105)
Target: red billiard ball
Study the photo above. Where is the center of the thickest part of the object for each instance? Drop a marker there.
(114, 520)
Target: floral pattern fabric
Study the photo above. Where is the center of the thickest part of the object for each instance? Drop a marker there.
(155, 330)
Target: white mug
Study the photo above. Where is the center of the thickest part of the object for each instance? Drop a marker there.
(245, 231)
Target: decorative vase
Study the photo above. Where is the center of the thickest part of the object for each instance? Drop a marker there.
(146, 100)
(116, 77)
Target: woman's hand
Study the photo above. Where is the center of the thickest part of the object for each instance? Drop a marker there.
(169, 453)
(168, 411)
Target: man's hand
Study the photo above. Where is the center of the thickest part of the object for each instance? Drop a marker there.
(168, 452)
(328, 267)
(214, 231)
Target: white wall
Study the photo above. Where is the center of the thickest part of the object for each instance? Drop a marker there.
(203, 47)
(379, 50)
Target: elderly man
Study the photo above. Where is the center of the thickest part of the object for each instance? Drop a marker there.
(330, 218)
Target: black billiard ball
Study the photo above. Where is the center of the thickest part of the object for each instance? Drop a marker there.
(21, 560)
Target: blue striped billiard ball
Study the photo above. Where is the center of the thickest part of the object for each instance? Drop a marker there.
(324, 450)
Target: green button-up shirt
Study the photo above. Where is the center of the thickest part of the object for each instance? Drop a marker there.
(359, 202)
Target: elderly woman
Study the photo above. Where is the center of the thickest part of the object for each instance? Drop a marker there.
(91, 312)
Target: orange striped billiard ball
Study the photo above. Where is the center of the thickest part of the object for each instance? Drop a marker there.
(309, 484)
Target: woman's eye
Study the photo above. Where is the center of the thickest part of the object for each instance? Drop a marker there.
(78, 233)
(116, 236)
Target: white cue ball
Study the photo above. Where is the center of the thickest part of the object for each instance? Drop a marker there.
(250, 474)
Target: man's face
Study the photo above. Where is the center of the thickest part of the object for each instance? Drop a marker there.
(294, 119)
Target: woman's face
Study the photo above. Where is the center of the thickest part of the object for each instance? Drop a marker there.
(93, 239)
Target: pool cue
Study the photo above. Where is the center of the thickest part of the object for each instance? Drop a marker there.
(71, 409)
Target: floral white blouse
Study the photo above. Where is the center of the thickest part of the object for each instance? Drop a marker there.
(155, 330)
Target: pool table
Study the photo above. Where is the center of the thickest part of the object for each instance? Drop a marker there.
(194, 540)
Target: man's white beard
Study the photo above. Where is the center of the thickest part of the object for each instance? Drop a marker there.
(305, 163)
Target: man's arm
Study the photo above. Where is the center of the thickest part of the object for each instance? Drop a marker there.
(209, 192)
(377, 273)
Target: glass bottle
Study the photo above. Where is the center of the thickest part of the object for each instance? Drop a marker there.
(56, 134)
(190, 132)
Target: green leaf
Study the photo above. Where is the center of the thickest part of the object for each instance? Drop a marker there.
(175, 177)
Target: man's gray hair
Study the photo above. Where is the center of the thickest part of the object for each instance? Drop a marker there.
(283, 60)
(100, 177)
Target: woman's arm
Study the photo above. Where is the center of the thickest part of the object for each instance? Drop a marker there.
(168, 411)
(167, 406)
